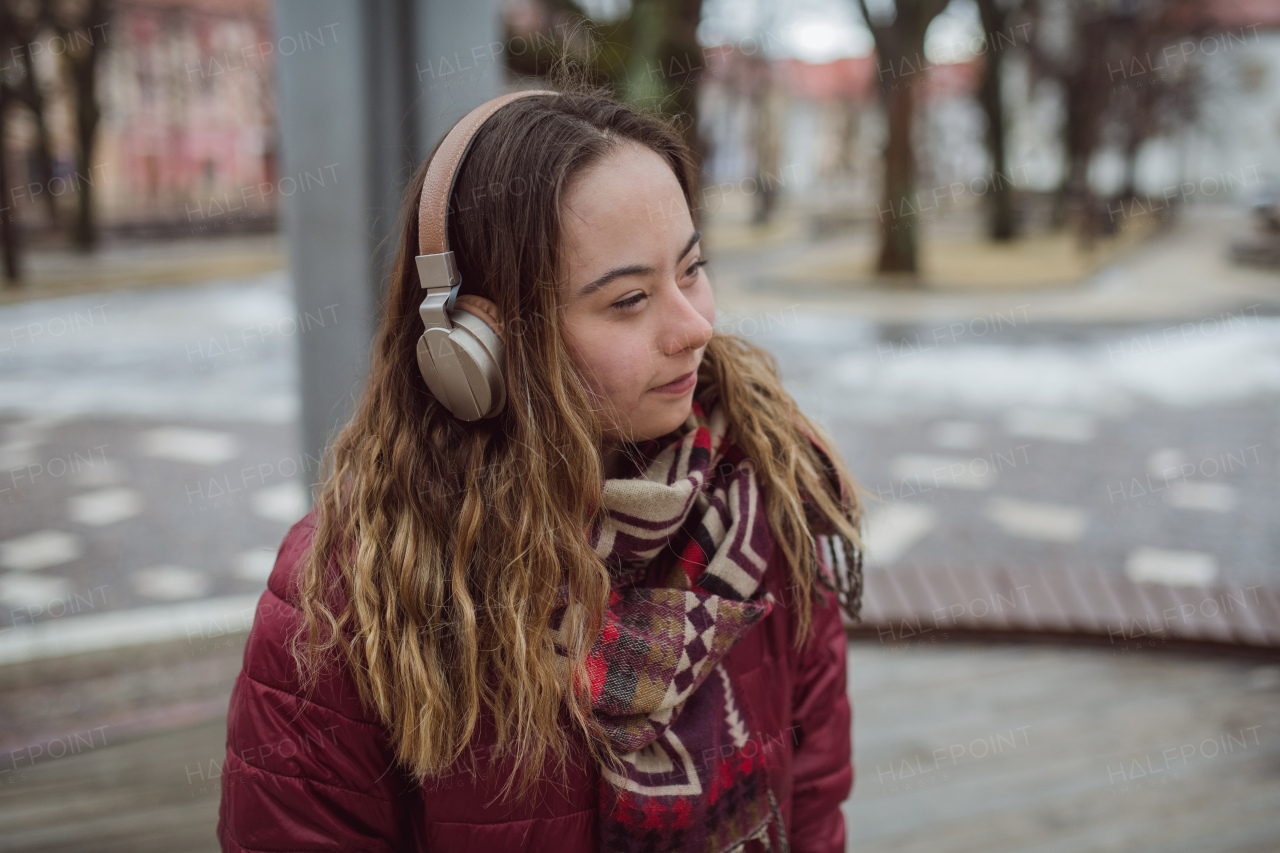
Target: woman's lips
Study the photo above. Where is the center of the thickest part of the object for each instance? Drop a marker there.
(679, 386)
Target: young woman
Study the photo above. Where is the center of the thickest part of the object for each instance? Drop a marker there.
(595, 605)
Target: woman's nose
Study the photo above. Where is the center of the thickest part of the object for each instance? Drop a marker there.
(686, 328)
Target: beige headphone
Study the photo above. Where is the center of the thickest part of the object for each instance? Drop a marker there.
(460, 354)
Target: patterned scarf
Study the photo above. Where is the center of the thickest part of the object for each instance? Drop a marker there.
(686, 543)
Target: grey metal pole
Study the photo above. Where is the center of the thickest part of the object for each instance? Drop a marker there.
(362, 95)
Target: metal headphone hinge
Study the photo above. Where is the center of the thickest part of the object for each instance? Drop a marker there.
(439, 276)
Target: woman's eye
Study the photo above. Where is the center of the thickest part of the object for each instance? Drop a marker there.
(627, 303)
(640, 297)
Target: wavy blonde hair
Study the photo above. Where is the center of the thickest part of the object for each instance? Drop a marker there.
(439, 544)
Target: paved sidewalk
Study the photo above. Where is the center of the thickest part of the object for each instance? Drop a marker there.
(50, 272)
(1044, 749)
(148, 452)
(1118, 442)
(148, 447)
(958, 749)
(1093, 460)
(1178, 274)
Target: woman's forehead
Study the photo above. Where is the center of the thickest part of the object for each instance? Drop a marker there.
(628, 202)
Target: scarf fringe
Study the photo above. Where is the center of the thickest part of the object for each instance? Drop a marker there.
(762, 834)
(846, 572)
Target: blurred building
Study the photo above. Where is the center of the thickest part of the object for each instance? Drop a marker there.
(186, 142)
(829, 122)
(831, 128)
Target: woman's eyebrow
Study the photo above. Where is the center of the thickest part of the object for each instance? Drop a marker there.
(634, 269)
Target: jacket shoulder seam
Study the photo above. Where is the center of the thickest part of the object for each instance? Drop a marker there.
(302, 698)
(311, 779)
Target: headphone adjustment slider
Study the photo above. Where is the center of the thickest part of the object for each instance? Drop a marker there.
(438, 275)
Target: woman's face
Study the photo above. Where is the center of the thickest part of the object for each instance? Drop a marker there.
(638, 310)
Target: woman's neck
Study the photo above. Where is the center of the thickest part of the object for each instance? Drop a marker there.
(614, 460)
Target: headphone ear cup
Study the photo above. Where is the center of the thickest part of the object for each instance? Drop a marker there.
(480, 307)
(484, 368)
(462, 367)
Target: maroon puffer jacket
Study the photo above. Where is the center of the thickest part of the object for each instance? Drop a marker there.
(316, 772)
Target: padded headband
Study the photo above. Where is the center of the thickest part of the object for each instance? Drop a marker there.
(433, 209)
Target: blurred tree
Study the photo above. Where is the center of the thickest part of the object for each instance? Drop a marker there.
(1000, 27)
(650, 58)
(87, 20)
(8, 231)
(665, 64)
(769, 110)
(1073, 44)
(1105, 56)
(1154, 103)
(20, 25)
(899, 39)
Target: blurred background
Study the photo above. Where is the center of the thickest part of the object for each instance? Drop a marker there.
(1021, 257)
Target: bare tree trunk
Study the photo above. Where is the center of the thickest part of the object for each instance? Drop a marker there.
(685, 64)
(768, 145)
(1001, 225)
(17, 34)
(85, 234)
(850, 119)
(8, 230)
(899, 52)
(29, 94)
(1084, 76)
(82, 67)
(898, 216)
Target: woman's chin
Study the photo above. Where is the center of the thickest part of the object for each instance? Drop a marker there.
(672, 420)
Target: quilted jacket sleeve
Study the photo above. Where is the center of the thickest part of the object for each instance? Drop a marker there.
(823, 760)
(304, 770)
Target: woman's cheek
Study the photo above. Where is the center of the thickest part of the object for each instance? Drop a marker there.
(625, 384)
(615, 366)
